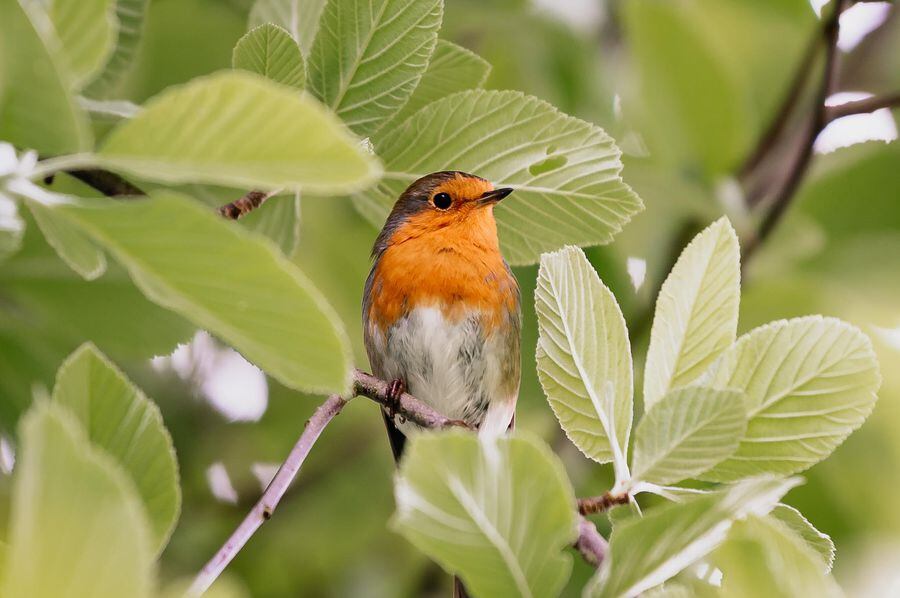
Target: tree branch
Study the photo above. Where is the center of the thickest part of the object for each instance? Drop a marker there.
(862, 106)
(407, 406)
(245, 205)
(604, 502)
(592, 546)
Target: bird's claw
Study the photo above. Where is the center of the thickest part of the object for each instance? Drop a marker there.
(395, 390)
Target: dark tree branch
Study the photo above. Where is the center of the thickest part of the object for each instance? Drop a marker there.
(599, 504)
(106, 182)
(862, 106)
(244, 205)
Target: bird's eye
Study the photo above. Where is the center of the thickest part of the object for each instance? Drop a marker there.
(442, 201)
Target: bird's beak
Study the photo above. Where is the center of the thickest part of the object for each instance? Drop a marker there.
(492, 197)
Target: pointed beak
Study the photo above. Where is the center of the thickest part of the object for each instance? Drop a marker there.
(492, 197)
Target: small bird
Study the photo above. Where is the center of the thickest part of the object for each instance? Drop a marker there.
(441, 308)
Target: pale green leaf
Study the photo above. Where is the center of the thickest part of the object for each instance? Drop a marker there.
(300, 18)
(808, 383)
(687, 433)
(130, 16)
(111, 110)
(77, 527)
(800, 525)
(696, 312)
(584, 357)
(219, 129)
(233, 284)
(271, 52)
(645, 552)
(75, 249)
(497, 511)
(763, 558)
(369, 55)
(566, 172)
(279, 220)
(129, 427)
(451, 69)
(87, 31)
(37, 107)
(12, 227)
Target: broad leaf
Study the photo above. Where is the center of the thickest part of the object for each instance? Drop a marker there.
(129, 427)
(566, 172)
(271, 52)
(300, 18)
(808, 383)
(696, 312)
(762, 558)
(451, 69)
(219, 129)
(687, 433)
(87, 30)
(37, 107)
(233, 284)
(584, 357)
(12, 227)
(77, 527)
(368, 57)
(130, 16)
(75, 249)
(800, 525)
(496, 511)
(645, 552)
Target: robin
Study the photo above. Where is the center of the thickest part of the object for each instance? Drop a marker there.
(441, 308)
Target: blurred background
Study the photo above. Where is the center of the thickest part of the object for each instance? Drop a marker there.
(687, 88)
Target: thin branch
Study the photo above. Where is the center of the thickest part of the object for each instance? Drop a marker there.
(862, 106)
(406, 405)
(106, 182)
(271, 497)
(599, 504)
(592, 546)
(245, 205)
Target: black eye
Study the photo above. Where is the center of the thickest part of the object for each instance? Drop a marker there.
(442, 201)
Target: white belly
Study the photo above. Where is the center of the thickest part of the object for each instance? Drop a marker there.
(452, 366)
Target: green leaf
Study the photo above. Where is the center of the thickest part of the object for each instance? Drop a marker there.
(299, 17)
(368, 57)
(130, 15)
(451, 69)
(129, 427)
(584, 357)
(279, 220)
(75, 249)
(219, 129)
(800, 525)
(565, 171)
(808, 383)
(37, 107)
(271, 52)
(497, 511)
(762, 558)
(696, 312)
(645, 552)
(12, 227)
(687, 433)
(87, 31)
(77, 527)
(233, 284)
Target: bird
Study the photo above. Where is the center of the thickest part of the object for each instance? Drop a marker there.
(442, 308)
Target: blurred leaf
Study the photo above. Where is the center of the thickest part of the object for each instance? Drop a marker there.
(645, 552)
(12, 227)
(78, 529)
(130, 15)
(566, 172)
(37, 107)
(808, 383)
(271, 52)
(299, 17)
(129, 427)
(696, 312)
(452, 68)
(279, 220)
(368, 57)
(584, 357)
(185, 258)
(87, 30)
(75, 249)
(498, 511)
(799, 525)
(218, 129)
(686, 433)
(762, 558)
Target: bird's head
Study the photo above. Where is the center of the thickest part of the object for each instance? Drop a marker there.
(451, 205)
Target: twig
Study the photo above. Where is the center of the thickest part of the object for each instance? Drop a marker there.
(245, 205)
(861, 106)
(592, 546)
(406, 405)
(604, 502)
(106, 182)
(271, 497)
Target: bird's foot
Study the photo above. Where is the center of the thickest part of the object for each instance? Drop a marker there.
(395, 389)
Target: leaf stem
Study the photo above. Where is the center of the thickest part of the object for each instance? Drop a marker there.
(51, 166)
